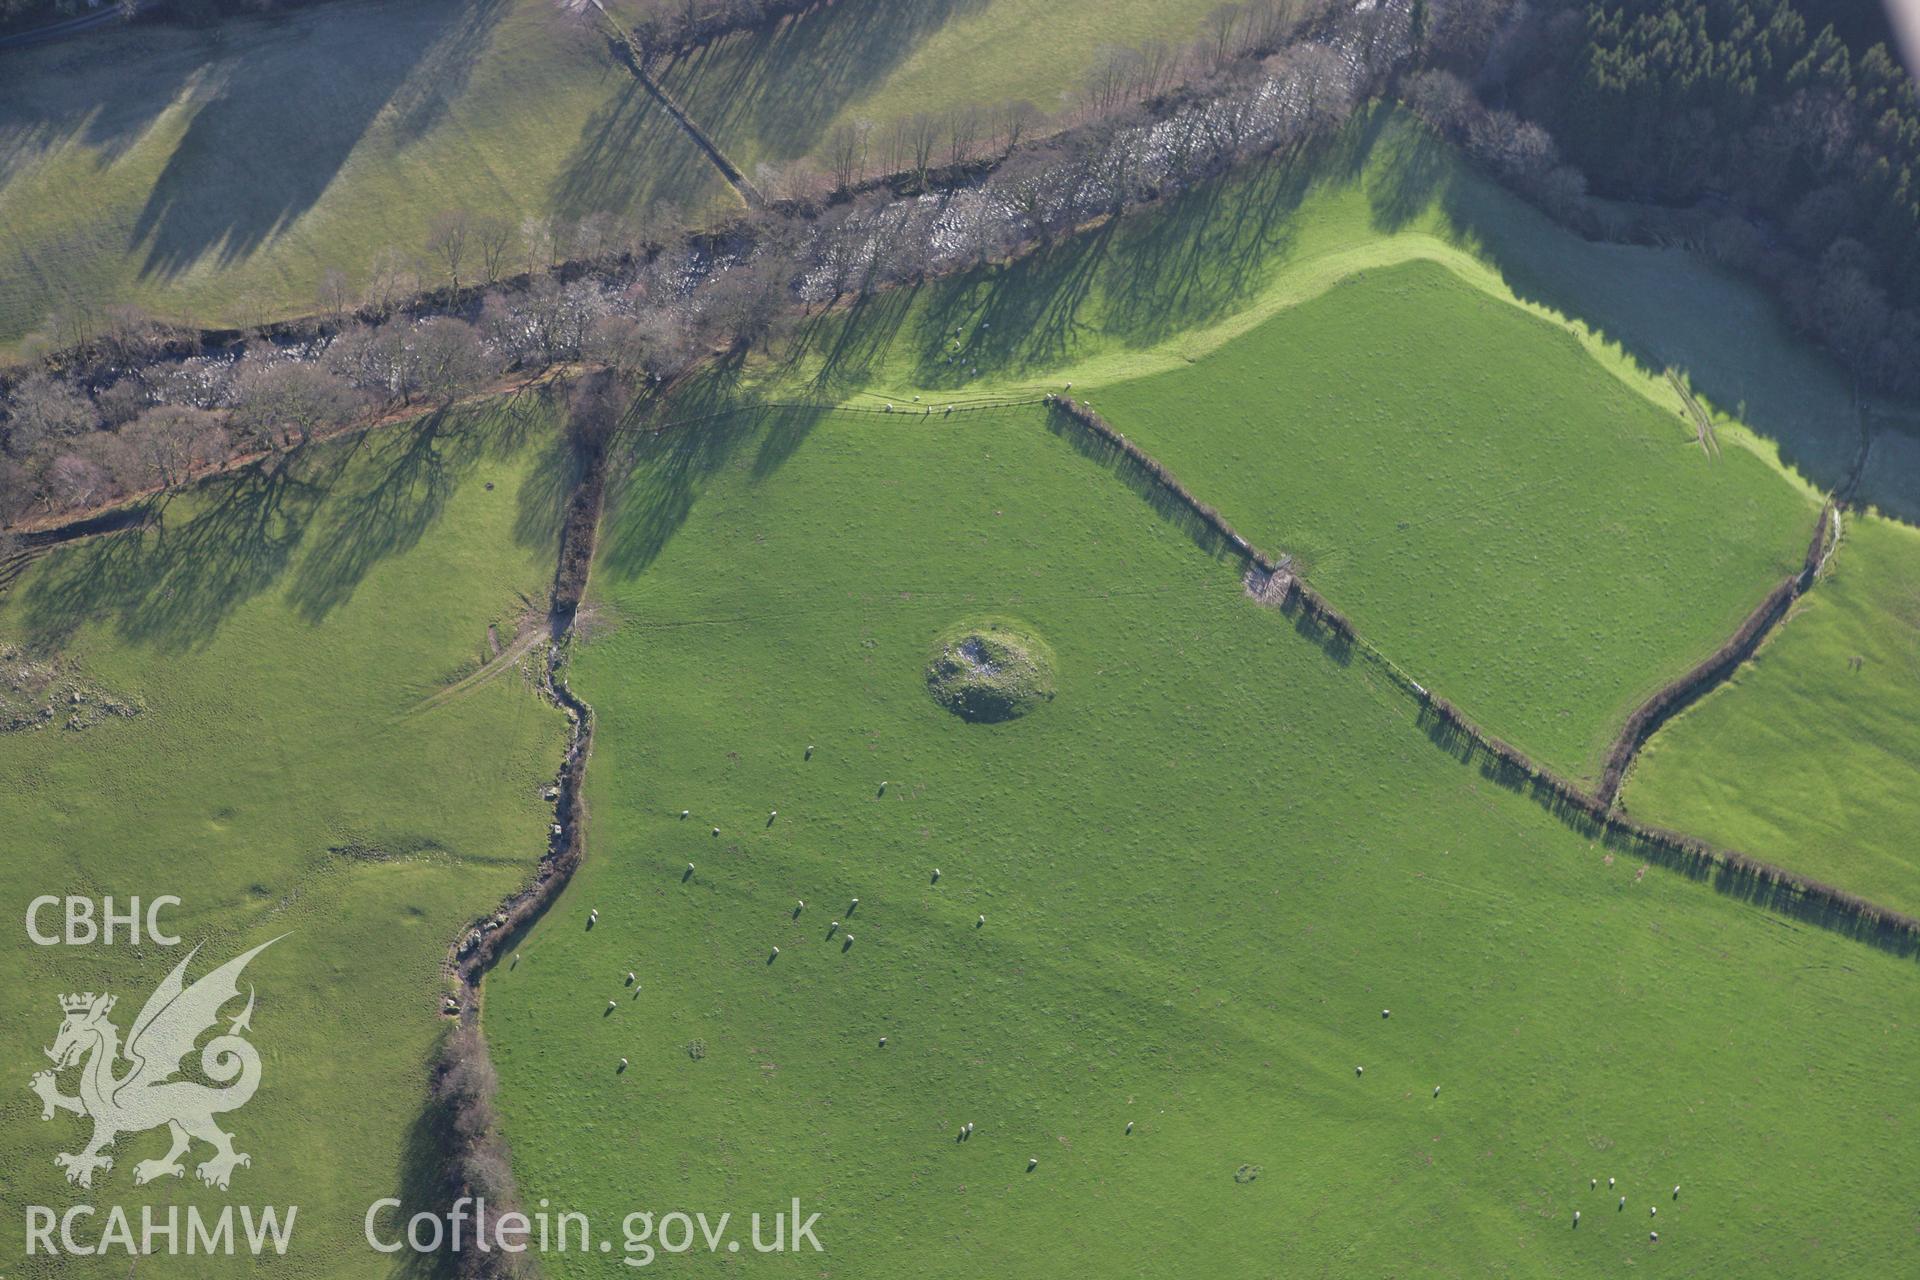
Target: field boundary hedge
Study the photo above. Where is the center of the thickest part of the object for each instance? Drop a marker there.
(1677, 694)
(1592, 814)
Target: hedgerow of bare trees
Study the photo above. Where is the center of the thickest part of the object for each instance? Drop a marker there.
(137, 407)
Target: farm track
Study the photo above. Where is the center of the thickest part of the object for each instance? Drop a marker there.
(524, 641)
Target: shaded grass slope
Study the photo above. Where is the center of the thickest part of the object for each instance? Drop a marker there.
(214, 175)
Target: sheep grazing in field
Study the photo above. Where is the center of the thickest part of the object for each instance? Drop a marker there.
(799, 906)
(629, 977)
(774, 956)
(1576, 1217)
(883, 1042)
(716, 831)
(1436, 1091)
(852, 905)
(772, 814)
(809, 751)
(1129, 1126)
(689, 868)
(887, 409)
(611, 1006)
(981, 923)
(832, 926)
(1592, 1183)
(1069, 386)
(1386, 1013)
(1653, 1237)
(1676, 1191)
(1359, 1071)
(1623, 1202)
(1609, 1184)
(1653, 1210)
(685, 814)
(1033, 1163)
(936, 875)
(847, 944)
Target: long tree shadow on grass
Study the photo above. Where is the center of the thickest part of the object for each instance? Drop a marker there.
(277, 121)
(171, 586)
(631, 157)
(770, 92)
(1138, 280)
(398, 487)
(665, 463)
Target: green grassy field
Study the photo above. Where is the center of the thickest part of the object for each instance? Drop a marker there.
(1374, 361)
(214, 175)
(1807, 757)
(774, 95)
(1205, 868)
(279, 633)
(1164, 287)
(1512, 525)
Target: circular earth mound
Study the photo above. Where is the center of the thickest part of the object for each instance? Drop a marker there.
(990, 671)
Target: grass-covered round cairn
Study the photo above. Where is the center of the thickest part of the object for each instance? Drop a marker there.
(991, 670)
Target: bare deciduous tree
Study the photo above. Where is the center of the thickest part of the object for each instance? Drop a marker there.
(447, 237)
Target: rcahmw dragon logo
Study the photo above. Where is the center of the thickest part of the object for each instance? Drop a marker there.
(148, 1093)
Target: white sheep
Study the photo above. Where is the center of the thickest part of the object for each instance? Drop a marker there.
(936, 875)
(629, 977)
(1386, 1013)
(849, 942)
(1623, 1202)
(685, 813)
(1609, 1184)
(611, 1006)
(1592, 1183)
(980, 923)
(775, 955)
(1653, 1237)
(1676, 1191)
(772, 814)
(1436, 1091)
(623, 1064)
(1033, 1163)
(1653, 1210)
(716, 831)
(689, 868)
(799, 906)
(883, 1042)
(1129, 1126)
(1576, 1217)
(1359, 1071)
(852, 905)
